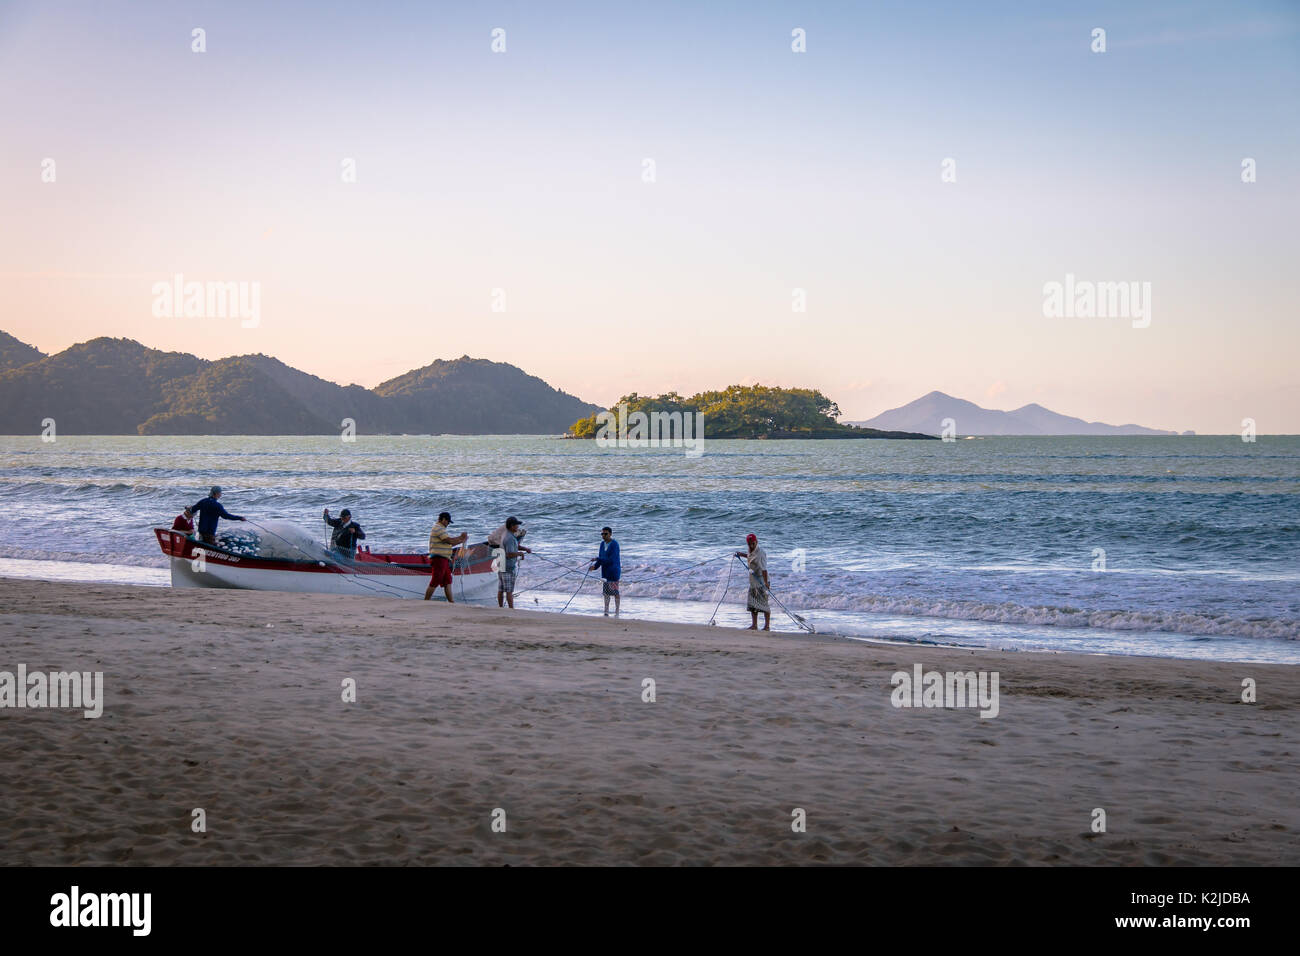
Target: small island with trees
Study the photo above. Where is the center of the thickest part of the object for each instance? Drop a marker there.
(741, 411)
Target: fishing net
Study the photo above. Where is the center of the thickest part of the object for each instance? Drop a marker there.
(273, 539)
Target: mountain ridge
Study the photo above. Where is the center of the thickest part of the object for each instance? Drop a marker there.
(15, 354)
(115, 386)
(928, 413)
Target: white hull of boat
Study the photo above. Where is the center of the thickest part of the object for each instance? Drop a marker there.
(194, 565)
(464, 587)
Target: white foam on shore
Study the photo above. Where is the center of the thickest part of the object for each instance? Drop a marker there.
(815, 596)
(871, 617)
(88, 573)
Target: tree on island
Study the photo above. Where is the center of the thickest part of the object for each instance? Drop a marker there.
(745, 411)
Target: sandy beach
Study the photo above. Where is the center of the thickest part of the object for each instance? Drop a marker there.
(232, 702)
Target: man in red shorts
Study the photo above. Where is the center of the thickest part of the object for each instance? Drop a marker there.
(441, 547)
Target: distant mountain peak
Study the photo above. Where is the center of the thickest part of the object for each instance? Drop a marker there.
(15, 354)
(928, 413)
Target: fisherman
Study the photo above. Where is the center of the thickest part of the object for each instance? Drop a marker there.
(758, 583)
(506, 560)
(441, 548)
(209, 511)
(494, 539)
(611, 569)
(346, 533)
(184, 522)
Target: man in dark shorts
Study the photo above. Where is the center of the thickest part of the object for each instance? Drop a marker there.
(611, 568)
(441, 548)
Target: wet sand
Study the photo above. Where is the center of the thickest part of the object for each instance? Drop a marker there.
(231, 702)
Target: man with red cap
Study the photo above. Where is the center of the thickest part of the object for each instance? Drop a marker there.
(758, 583)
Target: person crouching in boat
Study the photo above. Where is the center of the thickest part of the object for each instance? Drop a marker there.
(346, 533)
(441, 548)
(184, 522)
(210, 510)
(758, 583)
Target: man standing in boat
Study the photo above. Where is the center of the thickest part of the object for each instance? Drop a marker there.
(441, 548)
(346, 533)
(210, 510)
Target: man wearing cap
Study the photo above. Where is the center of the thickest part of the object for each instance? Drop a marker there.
(506, 560)
(346, 533)
(209, 511)
(758, 583)
(441, 547)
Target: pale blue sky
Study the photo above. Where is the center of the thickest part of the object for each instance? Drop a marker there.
(775, 170)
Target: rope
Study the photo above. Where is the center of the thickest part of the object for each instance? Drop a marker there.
(575, 593)
(537, 587)
(462, 556)
(351, 576)
(666, 574)
(798, 620)
(713, 618)
(669, 574)
(550, 561)
(461, 559)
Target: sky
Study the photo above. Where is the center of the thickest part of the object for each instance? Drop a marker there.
(501, 206)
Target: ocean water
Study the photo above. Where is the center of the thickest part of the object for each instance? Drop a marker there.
(995, 542)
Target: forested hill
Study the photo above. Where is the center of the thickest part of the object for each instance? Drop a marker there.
(119, 387)
(14, 353)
